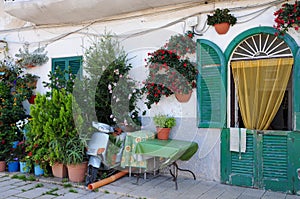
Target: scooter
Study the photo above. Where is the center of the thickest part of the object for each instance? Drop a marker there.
(108, 142)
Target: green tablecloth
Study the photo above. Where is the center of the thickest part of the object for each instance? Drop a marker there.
(172, 150)
(131, 140)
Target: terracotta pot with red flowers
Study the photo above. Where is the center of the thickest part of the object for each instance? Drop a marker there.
(179, 73)
(287, 17)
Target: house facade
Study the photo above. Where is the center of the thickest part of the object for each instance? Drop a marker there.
(271, 157)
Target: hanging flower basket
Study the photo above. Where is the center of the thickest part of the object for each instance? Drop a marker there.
(222, 28)
(179, 77)
(221, 20)
(182, 97)
(288, 16)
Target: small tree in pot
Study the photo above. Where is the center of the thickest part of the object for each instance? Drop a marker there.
(163, 124)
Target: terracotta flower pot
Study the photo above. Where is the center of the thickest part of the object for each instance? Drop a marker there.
(2, 166)
(183, 97)
(59, 170)
(163, 133)
(77, 172)
(222, 28)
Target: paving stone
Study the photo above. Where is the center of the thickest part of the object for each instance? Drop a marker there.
(46, 196)
(231, 192)
(11, 192)
(70, 196)
(292, 196)
(272, 195)
(116, 189)
(255, 193)
(214, 192)
(8, 182)
(33, 193)
(28, 186)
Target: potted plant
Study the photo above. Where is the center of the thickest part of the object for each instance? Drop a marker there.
(178, 76)
(13, 159)
(221, 20)
(28, 59)
(288, 16)
(163, 124)
(182, 44)
(21, 154)
(75, 158)
(4, 152)
(31, 80)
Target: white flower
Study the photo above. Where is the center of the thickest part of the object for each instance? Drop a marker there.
(117, 99)
(111, 116)
(109, 87)
(114, 119)
(116, 71)
(129, 96)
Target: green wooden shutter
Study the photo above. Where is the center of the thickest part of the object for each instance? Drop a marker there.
(63, 63)
(242, 167)
(296, 93)
(75, 64)
(275, 163)
(211, 85)
(58, 63)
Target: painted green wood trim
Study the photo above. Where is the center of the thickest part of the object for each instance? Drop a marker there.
(223, 87)
(294, 161)
(225, 156)
(296, 93)
(253, 31)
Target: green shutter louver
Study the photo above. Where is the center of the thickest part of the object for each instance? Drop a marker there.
(211, 85)
(275, 157)
(58, 63)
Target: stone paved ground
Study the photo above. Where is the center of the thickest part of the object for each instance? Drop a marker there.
(160, 187)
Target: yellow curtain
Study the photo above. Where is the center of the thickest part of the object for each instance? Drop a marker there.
(261, 85)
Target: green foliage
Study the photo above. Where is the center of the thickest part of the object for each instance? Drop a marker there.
(288, 16)
(164, 121)
(57, 81)
(53, 126)
(181, 44)
(13, 91)
(168, 74)
(75, 150)
(106, 66)
(35, 58)
(220, 16)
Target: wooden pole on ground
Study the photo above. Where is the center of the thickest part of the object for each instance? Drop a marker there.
(106, 181)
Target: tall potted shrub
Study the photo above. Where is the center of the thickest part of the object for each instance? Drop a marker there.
(221, 20)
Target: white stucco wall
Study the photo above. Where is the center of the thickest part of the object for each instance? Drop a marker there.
(206, 162)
